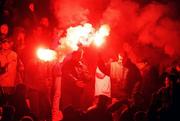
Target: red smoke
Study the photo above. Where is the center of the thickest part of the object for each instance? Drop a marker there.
(133, 27)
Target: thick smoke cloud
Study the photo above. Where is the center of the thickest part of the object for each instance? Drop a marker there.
(69, 12)
(144, 31)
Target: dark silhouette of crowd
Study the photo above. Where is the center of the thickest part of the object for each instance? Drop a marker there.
(32, 90)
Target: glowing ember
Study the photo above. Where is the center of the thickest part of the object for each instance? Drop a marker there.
(46, 54)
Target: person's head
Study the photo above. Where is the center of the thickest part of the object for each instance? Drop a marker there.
(31, 6)
(38, 31)
(19, 33)
(170, 79)
(44, 22)
(137, 98)
(120, 58)
(126, 62)
(4, 29)
(6, 44)
(103, 101)
(77, 55)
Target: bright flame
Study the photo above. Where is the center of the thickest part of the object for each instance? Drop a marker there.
(101, 34)
(84, 34)
(46, 54)
(79, 34)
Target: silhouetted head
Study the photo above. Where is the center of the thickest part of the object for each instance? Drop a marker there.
(6, 44)
(77, 55)
(170, 79)
(137, 98)
(4, 29)
(126, 62)
(103, 101)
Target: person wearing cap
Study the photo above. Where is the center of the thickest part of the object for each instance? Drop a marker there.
(8, 63)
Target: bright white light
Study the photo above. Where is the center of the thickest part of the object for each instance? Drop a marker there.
(101, 34)
(85, 34)
(46, 54)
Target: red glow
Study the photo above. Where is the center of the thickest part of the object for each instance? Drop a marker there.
(84, 34)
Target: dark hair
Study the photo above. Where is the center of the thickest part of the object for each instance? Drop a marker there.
(172, 77)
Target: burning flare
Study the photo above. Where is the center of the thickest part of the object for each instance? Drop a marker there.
(84, 34)
(46, 54)
(101, 34)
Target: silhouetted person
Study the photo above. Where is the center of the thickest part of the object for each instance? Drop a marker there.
(8, 68)
(75, 75)
(100, 111)
(133, 77)
(18, 100)
(136, 105)
(165, 102)
(117, 73)
(72, 114)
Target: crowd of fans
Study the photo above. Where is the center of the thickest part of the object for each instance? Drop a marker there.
(33, 90)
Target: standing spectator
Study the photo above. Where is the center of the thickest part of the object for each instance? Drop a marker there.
(165, 102)
(56, 87)
(19, 101)
(75, 75)
(133, 78)
(117, 73)
(38, 79)
(8, 63)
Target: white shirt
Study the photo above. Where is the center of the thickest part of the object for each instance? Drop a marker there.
(102, 84)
